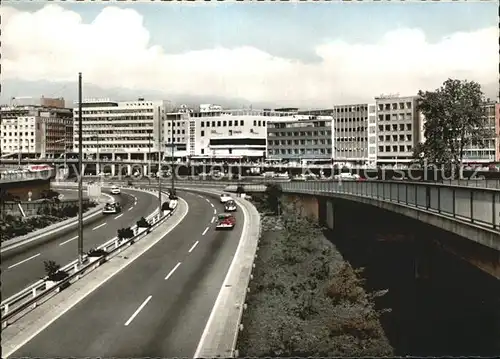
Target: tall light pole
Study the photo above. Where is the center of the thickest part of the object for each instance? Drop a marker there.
(80, 174)
(159, 158)
(172, 155)
(149, 158)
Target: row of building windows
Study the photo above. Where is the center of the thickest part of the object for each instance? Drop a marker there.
(388, 138)
(223, 123)
(300, 134)
(393, 127)
(395, 148)
(395, 106)
(299, 142)
(300, 151)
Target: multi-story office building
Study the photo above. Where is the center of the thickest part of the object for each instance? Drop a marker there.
(487, 151)
(177, 134)
(497, 132)
(300, 139)
(36, 131)
(350, 134)
(122, 130)
(372, 135)
(399, 129)
(230, 133)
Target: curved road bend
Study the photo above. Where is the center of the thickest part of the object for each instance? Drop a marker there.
(23, 268)
(159, 305)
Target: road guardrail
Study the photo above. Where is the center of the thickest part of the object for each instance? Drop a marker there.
(476, 205)
(21, 303)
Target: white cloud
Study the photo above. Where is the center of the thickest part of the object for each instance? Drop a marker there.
(114, 51)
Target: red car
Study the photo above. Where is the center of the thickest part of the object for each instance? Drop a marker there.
(225, 221)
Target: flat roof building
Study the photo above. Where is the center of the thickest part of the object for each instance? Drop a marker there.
(230, 133)
(399, 129)
(487, 152)
(300, 138)
(350, 133)
(33, 131)
(121, 130)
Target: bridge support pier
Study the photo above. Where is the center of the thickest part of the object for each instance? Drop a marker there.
(97, 169)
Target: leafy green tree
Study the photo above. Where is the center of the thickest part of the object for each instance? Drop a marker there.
(454, 119)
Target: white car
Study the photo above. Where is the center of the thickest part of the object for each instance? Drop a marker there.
(346, 176)
(115, 190)
(224, 198)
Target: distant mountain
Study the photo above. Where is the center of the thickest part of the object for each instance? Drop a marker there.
(68, 90)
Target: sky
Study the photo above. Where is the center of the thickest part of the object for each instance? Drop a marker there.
(288, 54)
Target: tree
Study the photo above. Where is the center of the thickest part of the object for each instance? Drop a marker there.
(454, 119)
(273, 195)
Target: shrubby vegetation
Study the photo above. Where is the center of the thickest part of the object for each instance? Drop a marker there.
(15, 226)
(305, 300)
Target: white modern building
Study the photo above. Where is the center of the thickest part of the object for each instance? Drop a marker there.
(372, 135)
(30, 131)
(399, 129)
(122, 130)
(236, 134)
(300, 139)
(350, 134)
(485, 153)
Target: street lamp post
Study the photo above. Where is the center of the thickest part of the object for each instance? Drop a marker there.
(159, 158)
(149, 158)
(80, 174)
(172, 156)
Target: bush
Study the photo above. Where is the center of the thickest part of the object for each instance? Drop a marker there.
(125, 233)
(165, 206)
(143, 223)
(54, 272)
(304, 299)
(97, 252)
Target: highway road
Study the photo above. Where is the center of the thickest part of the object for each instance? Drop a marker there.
(21, 267)
(159, 305)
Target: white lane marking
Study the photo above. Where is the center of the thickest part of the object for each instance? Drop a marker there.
(206, 199)
(213, 220)
(212, 205)
(23, 261)
(138, 310)
(205, 231)
(38, 329)
(215, 211)
(172, 271)
(99, 226)
(193, 247)
(69, 240)
(119, 216)
(131, 208)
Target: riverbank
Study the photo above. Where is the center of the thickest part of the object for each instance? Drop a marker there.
(305, 299)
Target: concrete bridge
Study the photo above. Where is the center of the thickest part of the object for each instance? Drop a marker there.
(471, 213)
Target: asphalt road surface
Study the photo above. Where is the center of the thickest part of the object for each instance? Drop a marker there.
(159, 305)
(23, 268)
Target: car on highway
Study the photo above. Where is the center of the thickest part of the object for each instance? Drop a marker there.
(225, 221)
(346, 176)
(230, 206)
(225, 197)
(112, 208)
(115, 190)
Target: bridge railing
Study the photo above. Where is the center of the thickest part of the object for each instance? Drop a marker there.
(479, 206)
(13, 176)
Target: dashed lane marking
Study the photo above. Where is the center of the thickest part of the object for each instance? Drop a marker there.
(194, 246)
